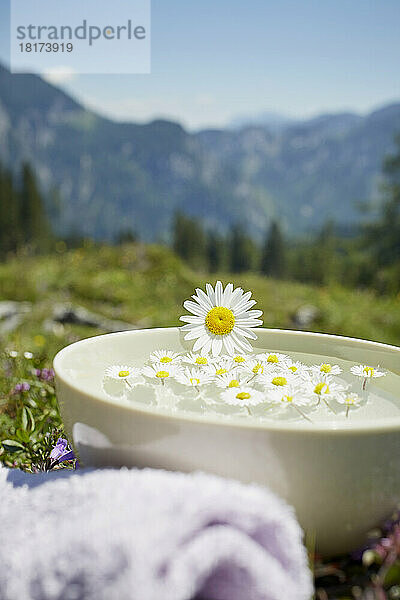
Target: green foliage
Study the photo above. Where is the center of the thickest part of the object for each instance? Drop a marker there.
(273, 258)
(23, 220)
(29, 420)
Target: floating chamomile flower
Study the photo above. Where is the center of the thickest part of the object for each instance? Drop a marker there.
(222, 366)
(255, 368)
(326, 369)
(233, 379)
(221, 319)
(240, 360)
(350, 400)
(198, 359)
(291, 395)
(160, 371)
(164, 357)
(121, 372)
(193, 377)
(325, 388)
(367, 372)
(296, 368)
(273, 358)
(276, 380)
(242, 396)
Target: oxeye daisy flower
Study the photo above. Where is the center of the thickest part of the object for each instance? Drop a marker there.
(273, 358)
(193, 377)
(290, 395)
(160, 371)
(198, 359)
(350, 400)
(326, 369)
(242, 396)
(367, 372)
(233, 379)
(221, 319)
(165, 357)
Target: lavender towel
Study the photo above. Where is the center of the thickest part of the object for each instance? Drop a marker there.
(146, 535)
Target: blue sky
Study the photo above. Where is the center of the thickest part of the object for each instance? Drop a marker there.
(215, 59)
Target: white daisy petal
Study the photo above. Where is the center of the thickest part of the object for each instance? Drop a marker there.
(210, 293)
(194, 308)
(218, 293)
(191, 319)
(195, 333)
(228, 345)
(200, 343)
(203, 299)
(247, 333)
(240, 307)
(227, 295)
(216, 346)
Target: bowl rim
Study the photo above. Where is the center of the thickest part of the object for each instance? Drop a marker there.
(387, 424)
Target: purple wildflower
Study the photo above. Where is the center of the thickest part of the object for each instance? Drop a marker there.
(61, 452)
(21, 387)
(45, 374)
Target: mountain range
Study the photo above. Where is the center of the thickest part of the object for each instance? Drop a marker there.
(114, 176)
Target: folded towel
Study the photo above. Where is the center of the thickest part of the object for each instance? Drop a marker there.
(146, 535)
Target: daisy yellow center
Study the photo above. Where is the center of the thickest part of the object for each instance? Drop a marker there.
(239, 359)
(369, 371)
(243, 396)
(258, 369)
(201, 360)
(233, 383)
(123, 374)
(272, 358)
(165, 359)
(321, 388)
(279, 381)
(220, 320)
(287, 398)
(349, 400)
(162, 374)
(293, 369)
(221, 371)
(194, 381)
(325, 368)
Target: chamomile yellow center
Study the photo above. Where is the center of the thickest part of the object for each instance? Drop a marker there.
(165, 359)
(279, 381)
(233, 383)
(201, 360)
(349, 400)
(258, 368)
(321, 388)
(325, 368)
(287, 398)
(369, 371)
(220, 320)
(243, 396)
(272, 358)
(194, 381)
(239, 359)
(162, 374)
(293, 369)
(123, 374)
(221, 371)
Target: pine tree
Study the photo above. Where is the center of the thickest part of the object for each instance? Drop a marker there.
(241, 251)
(273, 258)
(10, 230)
(189, 240)
(215, 252)
(34, 224)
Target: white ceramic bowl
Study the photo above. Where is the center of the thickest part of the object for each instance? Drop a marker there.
(341, 475)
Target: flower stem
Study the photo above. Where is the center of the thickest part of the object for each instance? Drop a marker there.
(347, 411)
(301, 413)
(328, 405)
(248, 410)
